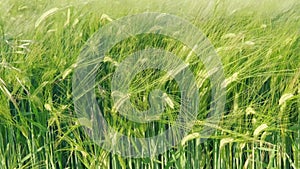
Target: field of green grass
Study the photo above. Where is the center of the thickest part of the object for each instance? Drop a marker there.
(258, 43)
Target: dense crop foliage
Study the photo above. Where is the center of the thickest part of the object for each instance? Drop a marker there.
(258, 44)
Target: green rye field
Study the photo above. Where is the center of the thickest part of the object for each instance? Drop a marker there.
(258, 43)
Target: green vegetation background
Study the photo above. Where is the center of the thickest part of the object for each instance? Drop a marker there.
(257, 41)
